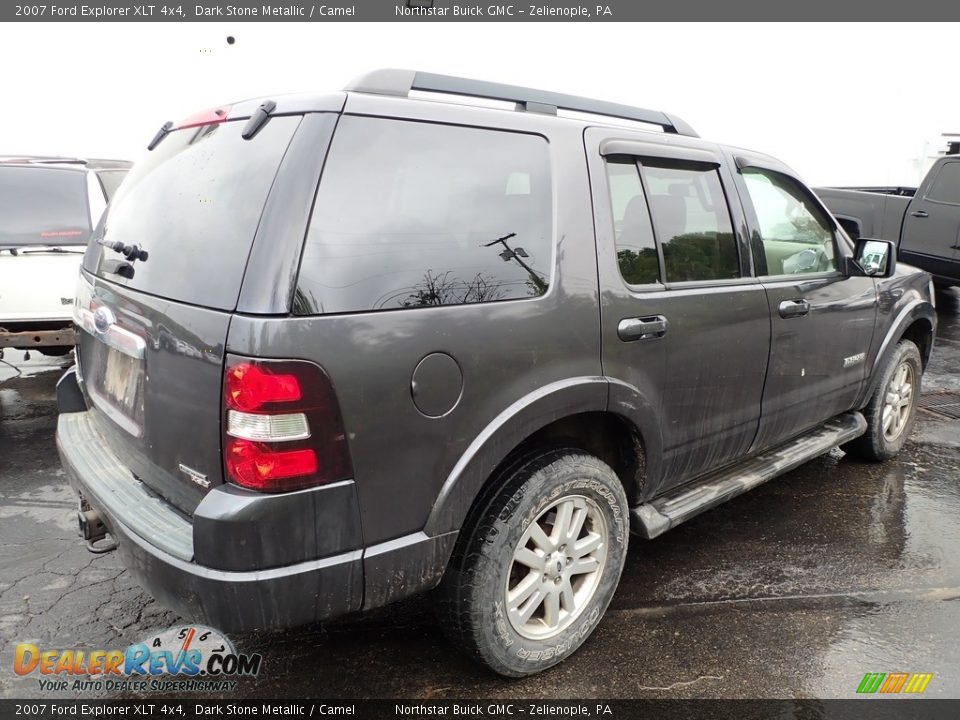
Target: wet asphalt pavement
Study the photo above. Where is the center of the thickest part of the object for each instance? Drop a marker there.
(795, 589)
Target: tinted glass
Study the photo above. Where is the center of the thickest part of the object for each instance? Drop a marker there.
(797, 236)
(193, 203)
(636, 251)
(416, 214)
(946, 188)
(692, 221)
(43, 206)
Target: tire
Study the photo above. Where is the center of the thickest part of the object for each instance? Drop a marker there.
(885, 438)
(576, 586)
(55, 350)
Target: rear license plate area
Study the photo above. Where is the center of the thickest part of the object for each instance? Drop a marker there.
(115, 383)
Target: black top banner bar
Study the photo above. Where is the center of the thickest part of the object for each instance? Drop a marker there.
(401, 11)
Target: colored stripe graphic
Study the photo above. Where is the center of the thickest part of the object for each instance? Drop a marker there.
(894, 683)
(918, 682)
(870, 683)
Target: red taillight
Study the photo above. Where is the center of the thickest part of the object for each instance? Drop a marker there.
(282, 429)
(248, 387)
(210, 116)
(255, 466)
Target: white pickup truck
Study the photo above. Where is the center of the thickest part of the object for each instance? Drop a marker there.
(48, 208)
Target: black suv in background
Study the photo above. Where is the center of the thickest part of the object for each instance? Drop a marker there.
(382, 343)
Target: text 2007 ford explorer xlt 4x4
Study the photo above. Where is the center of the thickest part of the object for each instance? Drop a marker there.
(381, 344)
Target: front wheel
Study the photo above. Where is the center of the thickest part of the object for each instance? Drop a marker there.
(892, 409)
(536, 568)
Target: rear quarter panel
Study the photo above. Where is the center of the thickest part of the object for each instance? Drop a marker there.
(506, 351)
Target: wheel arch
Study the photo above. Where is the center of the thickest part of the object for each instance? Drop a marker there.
(596, 414)
(916, 322)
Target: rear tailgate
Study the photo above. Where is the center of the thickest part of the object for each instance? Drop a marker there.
(151, 350)
(38, 285)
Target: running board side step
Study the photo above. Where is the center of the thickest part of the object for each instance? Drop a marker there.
(667, 511)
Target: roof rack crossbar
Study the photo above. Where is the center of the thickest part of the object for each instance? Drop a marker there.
(402, 82)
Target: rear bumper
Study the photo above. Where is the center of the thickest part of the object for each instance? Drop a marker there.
(39, 338)
(156, 544)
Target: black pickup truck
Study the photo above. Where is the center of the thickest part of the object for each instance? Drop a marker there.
(924, 221)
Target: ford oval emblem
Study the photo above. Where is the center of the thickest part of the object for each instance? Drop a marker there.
(103, 318)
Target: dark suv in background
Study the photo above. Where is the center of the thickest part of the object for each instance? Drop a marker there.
(380, 343)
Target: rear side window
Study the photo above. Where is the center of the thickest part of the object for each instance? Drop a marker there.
(946, 188)
(415, 215)
(43, 206)
(636, 251)
(692, 220)
(194, 203)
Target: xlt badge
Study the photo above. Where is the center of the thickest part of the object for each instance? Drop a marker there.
(198, 477)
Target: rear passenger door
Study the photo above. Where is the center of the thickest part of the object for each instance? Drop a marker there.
(822, 320)
(682, 321)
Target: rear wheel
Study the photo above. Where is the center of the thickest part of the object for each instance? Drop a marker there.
(891, 411)
(537, 566)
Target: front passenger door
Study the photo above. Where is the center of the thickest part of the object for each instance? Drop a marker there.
(822, 321)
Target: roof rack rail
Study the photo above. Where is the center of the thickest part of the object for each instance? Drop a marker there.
(89, 163)
(401, 82)
(41, 159)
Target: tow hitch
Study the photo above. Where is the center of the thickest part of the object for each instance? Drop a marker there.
(93, 531)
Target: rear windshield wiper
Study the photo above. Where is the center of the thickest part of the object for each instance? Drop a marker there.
(130, 252)
(27, 249)
(78, 250)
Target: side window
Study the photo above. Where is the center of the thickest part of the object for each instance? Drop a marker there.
(636, 251)
(946, 188)
(797, 235)
(412, 214)
(692, 220)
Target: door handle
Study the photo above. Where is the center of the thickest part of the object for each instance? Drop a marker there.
(794, 308)
(642, 328)
(920, 213)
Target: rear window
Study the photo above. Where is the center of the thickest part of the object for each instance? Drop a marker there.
(43, 206)
(193, 203)
(415, 215)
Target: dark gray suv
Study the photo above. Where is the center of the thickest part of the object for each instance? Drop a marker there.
(337, 350)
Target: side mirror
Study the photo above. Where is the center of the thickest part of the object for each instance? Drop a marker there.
(875, 258)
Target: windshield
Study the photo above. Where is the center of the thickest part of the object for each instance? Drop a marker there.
(43, 206)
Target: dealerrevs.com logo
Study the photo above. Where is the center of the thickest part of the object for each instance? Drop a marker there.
(182, 658)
